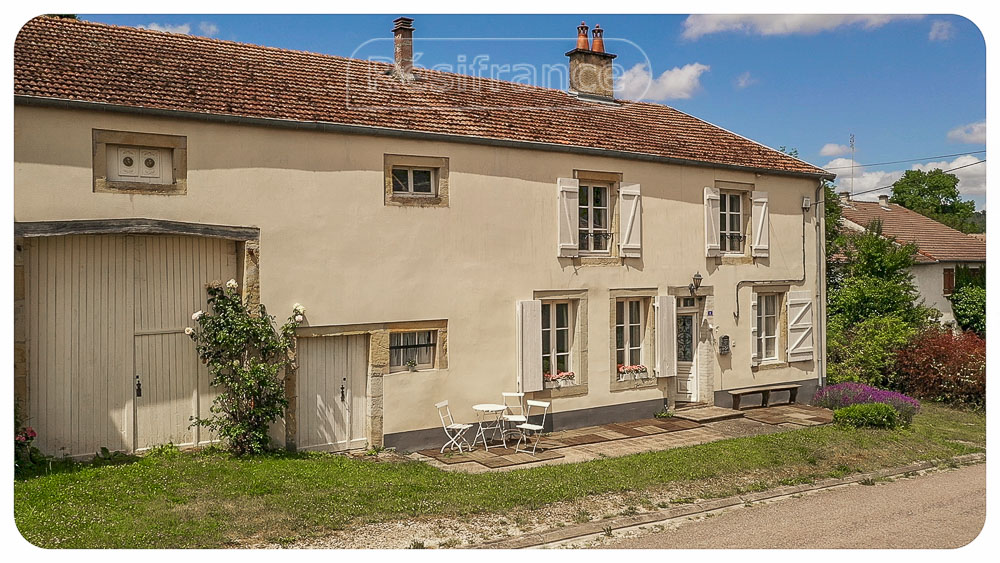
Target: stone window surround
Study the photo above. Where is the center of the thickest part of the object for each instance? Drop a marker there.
(649, 342)
(438, 163)
(176, 143)
(615, 180)
(579, 354)
(746, 207)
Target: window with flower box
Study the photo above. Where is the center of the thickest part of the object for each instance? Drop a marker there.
(630, 332)
(557, 343)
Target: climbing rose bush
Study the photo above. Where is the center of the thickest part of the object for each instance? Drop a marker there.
(245, 353)
(846, 394)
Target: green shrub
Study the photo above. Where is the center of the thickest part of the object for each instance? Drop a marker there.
(866, 352)
(969, 305)
(944, 366)
(867, 415)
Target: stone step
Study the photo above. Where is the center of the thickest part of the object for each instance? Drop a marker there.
(707, 414)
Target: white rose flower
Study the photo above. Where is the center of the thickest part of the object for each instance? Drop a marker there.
(189, 331)
(298, 309)
(231, 284)
(197, 315)
(298, 318)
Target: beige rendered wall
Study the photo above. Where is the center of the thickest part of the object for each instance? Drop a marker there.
(329, 242)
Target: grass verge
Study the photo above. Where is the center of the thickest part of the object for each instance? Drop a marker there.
(210, 499)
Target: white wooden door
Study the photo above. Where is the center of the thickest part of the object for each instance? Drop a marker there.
(332, 392)
(102, 309)
(687, 345)
(79, 312)
(171, 273)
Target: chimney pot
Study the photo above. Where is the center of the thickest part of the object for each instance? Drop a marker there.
(402, 33)
(598, 46)
(883, 200)
(582, 41)
(845, 196)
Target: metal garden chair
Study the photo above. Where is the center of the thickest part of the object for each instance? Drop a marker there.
(514, 414)
(454, 430)
(533, 429)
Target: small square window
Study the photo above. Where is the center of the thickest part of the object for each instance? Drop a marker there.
(139, 163)
(415, 181)
(412, 350)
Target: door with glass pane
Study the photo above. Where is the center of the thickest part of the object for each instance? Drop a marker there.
(687, 374)
(557, 341)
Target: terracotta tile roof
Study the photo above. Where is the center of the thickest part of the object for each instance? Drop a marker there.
(85, 61)
(937, 242)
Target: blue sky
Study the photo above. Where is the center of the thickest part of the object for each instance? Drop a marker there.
(907, 87)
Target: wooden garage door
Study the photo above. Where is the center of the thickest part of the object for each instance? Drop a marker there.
(332, 394)
(103, 309)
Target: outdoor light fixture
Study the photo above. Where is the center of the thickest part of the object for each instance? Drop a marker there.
(695, 282)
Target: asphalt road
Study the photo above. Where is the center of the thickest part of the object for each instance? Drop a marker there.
(943, 509)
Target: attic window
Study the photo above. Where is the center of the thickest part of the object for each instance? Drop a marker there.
(144, 163)
(417, 181)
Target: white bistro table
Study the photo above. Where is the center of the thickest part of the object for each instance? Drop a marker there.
(490, 418)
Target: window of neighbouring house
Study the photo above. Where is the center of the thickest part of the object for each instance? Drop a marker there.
(412, 350)
(731, 231)
(949, 281)
(557, 343)
(630, 331)
(595, 218)
(767, 326)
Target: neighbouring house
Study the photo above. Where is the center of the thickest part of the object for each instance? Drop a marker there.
(451, 238)
(941, 249)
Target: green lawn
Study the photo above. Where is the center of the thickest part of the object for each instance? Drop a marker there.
(212, 500)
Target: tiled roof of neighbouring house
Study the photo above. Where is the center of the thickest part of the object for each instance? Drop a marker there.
(122, 66)
(937, 242)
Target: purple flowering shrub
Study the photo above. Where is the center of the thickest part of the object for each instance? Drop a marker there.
(849, 393)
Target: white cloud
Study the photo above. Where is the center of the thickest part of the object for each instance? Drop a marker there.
(971, 180)
(761, 24)
(941, 30)
(184, 28)
(971, 133)
(208, 29)
(744, 80)
(637, 83)
(833, 149)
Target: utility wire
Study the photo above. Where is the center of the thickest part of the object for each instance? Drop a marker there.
(890, 185)
(907, 160)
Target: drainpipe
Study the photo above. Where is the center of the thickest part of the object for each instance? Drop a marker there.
(821, 282)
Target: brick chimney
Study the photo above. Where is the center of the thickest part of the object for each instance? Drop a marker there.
(883, 200)
(402, 33)
(590, 67)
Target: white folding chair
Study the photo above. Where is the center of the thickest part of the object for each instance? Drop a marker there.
(514, 414)
(535, 429)
(455, 431)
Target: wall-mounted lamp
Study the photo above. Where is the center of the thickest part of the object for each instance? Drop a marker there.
(695, 283)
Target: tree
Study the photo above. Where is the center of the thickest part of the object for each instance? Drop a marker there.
(874, 308)
(935, 194)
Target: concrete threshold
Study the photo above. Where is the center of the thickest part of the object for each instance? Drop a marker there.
(556, 537)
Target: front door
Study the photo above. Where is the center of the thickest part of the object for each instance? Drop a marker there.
(687, 374)
(332, 392)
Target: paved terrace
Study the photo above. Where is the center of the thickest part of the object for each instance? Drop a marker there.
(687, 427)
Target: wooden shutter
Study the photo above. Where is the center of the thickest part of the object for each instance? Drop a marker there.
(569, 217)
(800, 326)
(529, 346)
(761, 225)
(711, 221)
(949, 281)
(666, 326)
(630, 244)
(754, 358)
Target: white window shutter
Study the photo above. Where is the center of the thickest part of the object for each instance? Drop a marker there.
(712, 198)
(754, 358)
(800, 326)
(630, 244)
(569, 217)
(761, 225)
(666, 340)
(529, 346)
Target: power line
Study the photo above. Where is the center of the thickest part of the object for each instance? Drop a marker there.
(907, 160)
(949, 170)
